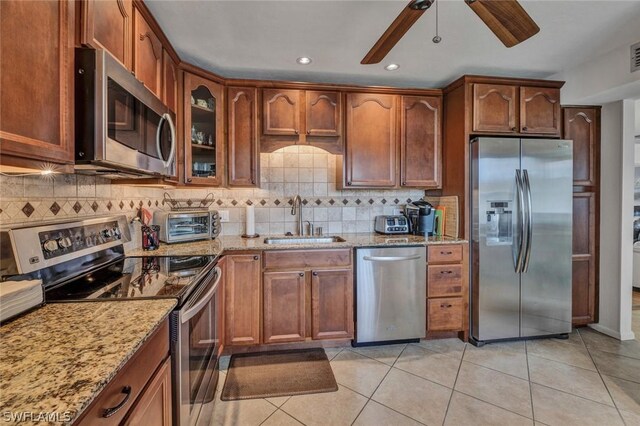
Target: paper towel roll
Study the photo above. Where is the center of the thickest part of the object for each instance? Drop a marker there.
(250, 220)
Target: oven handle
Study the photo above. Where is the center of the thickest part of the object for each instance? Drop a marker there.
(191, 312)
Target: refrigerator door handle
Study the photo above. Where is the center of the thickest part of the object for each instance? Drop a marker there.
(521, 222)
(527, 188)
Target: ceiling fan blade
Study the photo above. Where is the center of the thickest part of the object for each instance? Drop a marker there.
(506, 18)
(396, 30)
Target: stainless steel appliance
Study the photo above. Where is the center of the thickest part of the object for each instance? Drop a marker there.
(521, 238)
(180, 226)
(391, 294)
(395, 224)
(421, 216)
(87, 264)
(122, 128)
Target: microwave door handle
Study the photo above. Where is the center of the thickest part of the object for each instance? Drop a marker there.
(166, 117)
(192, 311)
(527, 188)
(521, 220)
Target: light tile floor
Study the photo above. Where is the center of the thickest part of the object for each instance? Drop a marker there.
(589, 379)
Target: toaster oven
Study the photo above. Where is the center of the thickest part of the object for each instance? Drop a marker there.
(181, 226)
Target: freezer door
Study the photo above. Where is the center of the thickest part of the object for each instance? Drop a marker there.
(391, 294)
(547, 167)
(496, 238)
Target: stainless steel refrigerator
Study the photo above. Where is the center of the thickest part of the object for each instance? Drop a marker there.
(521, 215)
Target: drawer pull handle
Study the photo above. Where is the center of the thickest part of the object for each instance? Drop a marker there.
(111, 411)
(446, 305)
(446, 272)
(446, 253)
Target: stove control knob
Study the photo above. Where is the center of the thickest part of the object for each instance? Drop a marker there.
(107, 233)
(115, 232)
(65, 242)
(50, 246)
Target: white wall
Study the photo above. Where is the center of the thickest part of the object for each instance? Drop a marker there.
(616, 222)
(638, 118)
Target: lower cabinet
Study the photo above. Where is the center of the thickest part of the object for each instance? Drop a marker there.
(154, 406)
(242, 299)
(284, 307)
(332, 304)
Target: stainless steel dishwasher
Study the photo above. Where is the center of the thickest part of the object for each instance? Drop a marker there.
(391, 294)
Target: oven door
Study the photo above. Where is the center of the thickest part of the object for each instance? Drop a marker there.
(195, 351)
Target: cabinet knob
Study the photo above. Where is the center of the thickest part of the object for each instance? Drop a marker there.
(301, 274)
(525, 128)
(308, 132)
(256, 257)
(348, 183)
(404, 183)
(297, 132)
(513, 129)
(253, 181)
(315, 274)
(189, 180)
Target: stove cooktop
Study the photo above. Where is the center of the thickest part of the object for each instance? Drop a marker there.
(135, 278)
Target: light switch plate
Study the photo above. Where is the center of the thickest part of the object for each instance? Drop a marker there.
(224, 215)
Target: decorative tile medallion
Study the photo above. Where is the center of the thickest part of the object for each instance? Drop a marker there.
(94, 206)
(55, 208)
(77, 207)
(110, 205)
(28, 210)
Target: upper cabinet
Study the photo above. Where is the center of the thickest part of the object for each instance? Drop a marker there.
(203, 131)
(371, 140)
(582, 125)
(243, 159)
(312, 117)
(420, 141)
(169, 81)
(147, 55)
(540, 111)
(36, 100)
(108, 24)
(511, 109)
(280, 112)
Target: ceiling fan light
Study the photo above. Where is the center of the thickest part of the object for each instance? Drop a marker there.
(421, 4)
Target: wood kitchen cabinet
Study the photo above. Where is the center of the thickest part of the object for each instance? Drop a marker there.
(154, 405)
(203, 125)
(280, 112)
(108, 24)
(36, 76)
(147, 54)
(582, 125)
(332, 304)
(243, 154)
(511, 109)
(169, 81)
(584, 278)
(370, 159)
(284, 307)
(242, 299)
(420, 141)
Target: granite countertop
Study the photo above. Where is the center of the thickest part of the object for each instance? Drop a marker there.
(58, 358)
(236, 243)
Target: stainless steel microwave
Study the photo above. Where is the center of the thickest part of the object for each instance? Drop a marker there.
(122, 128)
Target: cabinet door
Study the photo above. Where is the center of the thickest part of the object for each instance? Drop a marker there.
(242, 300)
(495, 108)
(582, 126)
(284, 307)
(584, 258)
(204, 131)
(445, 314)
(243, 155)
(154, 405)
(323, 111)
(420, 142)
(281, 112)
(332, 304)
(147, 55)
(169, 82)
(108, 24)
(371, 141)
(540, 110)
(36, 77)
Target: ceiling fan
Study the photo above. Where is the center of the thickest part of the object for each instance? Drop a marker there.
(506, 18)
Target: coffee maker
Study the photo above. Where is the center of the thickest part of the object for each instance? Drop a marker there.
(421, 216)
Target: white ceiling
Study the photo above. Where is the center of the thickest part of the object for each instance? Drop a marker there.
(262, 39)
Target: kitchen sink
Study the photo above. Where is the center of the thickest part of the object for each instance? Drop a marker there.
(304, 240)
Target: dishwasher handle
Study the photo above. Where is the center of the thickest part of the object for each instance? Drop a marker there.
(391, 258)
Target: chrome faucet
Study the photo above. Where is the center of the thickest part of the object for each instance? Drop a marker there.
(296, 207)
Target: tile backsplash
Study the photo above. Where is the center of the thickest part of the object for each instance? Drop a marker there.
(304, 170)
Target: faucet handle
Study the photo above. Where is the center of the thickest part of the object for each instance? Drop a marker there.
(310, 227)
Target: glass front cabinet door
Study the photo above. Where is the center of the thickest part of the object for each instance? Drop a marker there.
(204, 132)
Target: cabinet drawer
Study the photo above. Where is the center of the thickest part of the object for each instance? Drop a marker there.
(445, 314)
(444, 280)
(135, 374)
(445, 253)
(304, 259)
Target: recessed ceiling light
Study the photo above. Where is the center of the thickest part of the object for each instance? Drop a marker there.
(303, 60)
(392, 67)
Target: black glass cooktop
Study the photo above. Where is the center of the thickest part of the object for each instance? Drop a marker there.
(135, 278)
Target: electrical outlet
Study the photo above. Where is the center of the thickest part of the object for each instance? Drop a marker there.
(397, 211)
(224, 215)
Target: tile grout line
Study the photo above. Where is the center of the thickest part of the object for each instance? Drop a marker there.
(453, 388)
(533, 410)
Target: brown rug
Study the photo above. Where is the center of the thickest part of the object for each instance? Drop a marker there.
(278, 373)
